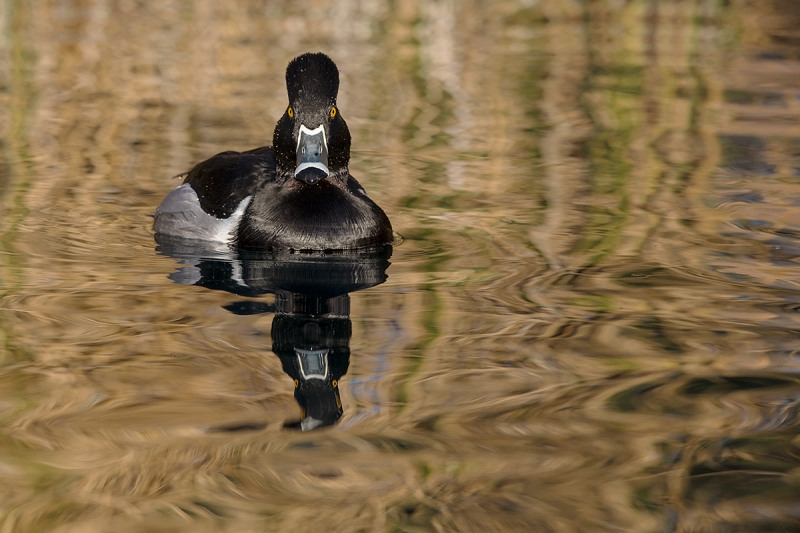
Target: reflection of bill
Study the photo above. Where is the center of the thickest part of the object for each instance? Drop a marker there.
(313, 363)
(311, 330)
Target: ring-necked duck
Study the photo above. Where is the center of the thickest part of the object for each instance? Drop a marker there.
(295, 195)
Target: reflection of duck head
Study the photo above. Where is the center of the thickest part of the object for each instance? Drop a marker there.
(315, 352)
(311, 330)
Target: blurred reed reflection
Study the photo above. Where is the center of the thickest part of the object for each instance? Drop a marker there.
(311, 329)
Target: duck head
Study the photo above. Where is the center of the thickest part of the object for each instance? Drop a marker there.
(311, 139)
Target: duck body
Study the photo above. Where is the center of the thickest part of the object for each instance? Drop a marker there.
(297, 195)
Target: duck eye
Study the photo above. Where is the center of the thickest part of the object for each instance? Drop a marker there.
(290, 111)
(333, 111)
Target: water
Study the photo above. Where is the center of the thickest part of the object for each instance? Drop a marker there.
(589, 321)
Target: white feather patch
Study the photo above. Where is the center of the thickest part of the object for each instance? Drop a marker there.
(180, 215)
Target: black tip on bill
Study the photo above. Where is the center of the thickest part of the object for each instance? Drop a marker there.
(311, 175)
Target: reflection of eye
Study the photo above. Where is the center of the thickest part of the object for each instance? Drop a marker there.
(333, 111)
(291, 112)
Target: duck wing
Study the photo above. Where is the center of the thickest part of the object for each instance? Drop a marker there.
(223, 181)
(212, 199)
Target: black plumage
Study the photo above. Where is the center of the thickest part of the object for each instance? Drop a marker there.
(291, 209)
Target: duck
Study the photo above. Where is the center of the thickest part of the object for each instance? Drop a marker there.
(294, 196)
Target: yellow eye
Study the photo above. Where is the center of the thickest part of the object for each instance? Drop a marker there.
(291, 112)
(296, 384)
(335, 383)
(333, 111)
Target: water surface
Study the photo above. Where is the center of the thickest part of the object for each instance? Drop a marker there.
(589, 322)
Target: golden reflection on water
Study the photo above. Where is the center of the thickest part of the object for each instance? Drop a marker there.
(590, 324)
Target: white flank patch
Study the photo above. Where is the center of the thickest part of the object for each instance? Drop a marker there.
(180, 215)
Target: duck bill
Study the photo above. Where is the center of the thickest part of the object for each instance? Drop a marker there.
(312, 155)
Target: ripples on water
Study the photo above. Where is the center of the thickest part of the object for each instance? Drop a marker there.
(590, 323)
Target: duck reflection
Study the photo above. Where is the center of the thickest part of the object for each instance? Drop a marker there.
(315, 352)
(311, 329)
